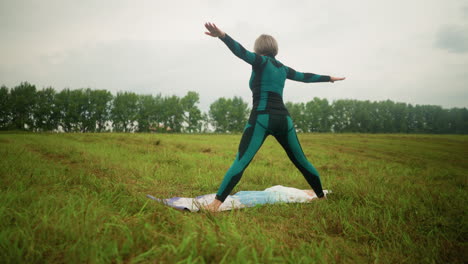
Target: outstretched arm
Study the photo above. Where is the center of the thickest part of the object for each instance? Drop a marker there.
(236, 48)
(310, 77)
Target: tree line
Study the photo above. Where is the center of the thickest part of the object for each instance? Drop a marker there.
(24, 107)
(318, 115)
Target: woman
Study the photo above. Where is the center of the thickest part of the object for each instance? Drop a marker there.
(269, 116)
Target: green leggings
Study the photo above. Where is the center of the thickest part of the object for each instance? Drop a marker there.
(255, 132)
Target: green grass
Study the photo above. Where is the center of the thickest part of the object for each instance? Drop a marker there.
(78, 198)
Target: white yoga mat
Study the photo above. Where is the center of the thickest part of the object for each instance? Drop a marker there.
(242, 199)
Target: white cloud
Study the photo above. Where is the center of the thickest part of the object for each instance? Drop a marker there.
(453, 38)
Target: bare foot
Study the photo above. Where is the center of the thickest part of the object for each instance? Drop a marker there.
(311, 193)
(324, 197)
(213, 206)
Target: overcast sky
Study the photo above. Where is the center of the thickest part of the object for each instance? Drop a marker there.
(407, 51)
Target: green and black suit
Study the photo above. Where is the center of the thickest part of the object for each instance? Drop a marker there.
(269, 116)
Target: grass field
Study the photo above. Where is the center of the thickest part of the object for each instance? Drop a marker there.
(79, 198)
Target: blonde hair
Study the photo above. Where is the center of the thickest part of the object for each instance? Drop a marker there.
(266, 45)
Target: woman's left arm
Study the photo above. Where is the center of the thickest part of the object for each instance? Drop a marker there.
(306, 77)
(310, 77)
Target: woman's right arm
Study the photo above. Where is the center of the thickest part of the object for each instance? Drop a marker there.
(236, 48)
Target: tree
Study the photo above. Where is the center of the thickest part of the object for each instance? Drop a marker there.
(124, 112)
(218, 115)
(238, 114)
(5, 108)
(205, 123)
(363, 116)
(100, 106)
(317, 114)
(66, 114)
(458, 120)
(229, 115)
(298, 115)
(46, 114)
(340, 116)
(359, 116)
(376, 126)
(23, 101)
(86, 110)
(147, 112)
(192, 114)
(400, 117)
(173, 114)
(435, 119)
(79, 106)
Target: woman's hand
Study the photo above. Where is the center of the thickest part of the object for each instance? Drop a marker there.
(333, 79)
(214, 31)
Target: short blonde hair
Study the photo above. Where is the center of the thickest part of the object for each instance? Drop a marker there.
(266, 45)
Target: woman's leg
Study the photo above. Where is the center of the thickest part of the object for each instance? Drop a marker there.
(291, 145)
(252, 139)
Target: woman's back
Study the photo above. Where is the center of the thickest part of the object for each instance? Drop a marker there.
(267, 84)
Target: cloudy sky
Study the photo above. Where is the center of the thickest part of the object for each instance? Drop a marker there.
(407, 51)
